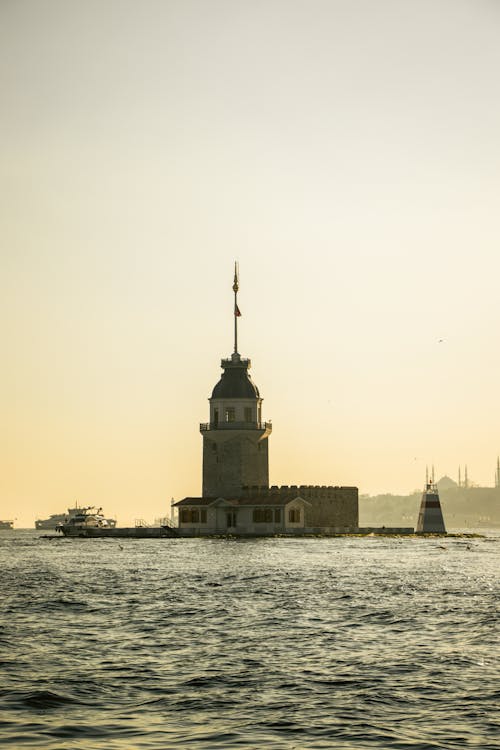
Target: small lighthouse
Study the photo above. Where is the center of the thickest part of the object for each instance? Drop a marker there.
(430, 517)
(235, 440)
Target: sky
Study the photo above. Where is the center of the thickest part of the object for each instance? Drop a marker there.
(345, 152)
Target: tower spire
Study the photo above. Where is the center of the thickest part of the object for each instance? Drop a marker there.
(236, 308)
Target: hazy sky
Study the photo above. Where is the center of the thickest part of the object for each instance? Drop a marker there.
(345, 152)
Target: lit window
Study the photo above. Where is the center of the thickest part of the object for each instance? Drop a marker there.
(230, 414)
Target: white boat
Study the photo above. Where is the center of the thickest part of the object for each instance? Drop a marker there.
(86, 518)
(58, 519)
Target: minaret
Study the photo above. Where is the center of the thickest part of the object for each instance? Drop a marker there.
(430, 517)
(497, 474)
(466, 478)
(235, 440)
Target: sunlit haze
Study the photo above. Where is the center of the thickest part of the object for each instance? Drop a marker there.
(345, 152)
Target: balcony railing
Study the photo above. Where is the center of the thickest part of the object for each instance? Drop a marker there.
(206, 426)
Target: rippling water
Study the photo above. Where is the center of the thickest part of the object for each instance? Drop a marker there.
(266, 643)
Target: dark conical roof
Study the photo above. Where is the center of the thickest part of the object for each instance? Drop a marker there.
(235, 381)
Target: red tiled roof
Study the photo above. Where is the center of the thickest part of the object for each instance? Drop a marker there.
(199, 501)
(267, 500)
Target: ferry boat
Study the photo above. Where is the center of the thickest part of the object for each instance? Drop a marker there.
(6, 524)
(58, 519)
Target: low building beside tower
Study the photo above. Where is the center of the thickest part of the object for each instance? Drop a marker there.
(273, 510)
(236, 496)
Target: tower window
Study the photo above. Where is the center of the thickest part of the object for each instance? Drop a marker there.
(230, 414)
(248, 414)
(294, 515)
(216, 417)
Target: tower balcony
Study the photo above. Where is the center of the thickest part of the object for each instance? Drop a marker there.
(207, 426)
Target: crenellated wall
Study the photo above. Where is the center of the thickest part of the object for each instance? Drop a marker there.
(329, 506)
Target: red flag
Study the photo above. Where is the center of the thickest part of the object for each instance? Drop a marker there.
(237, 311)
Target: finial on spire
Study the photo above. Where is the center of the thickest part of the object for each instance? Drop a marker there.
(237, 313)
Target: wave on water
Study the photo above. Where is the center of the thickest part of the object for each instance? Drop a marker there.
(38, 699)
(323, 643)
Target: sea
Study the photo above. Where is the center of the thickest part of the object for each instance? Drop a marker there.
(279, 643)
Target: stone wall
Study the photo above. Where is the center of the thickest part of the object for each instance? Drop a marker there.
(330, 506)
(232, 459)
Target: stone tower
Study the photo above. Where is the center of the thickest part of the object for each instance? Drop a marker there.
(235, 440)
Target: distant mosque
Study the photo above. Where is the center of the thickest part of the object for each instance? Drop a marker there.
(236, 496)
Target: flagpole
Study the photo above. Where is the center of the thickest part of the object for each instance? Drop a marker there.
(235, 290)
